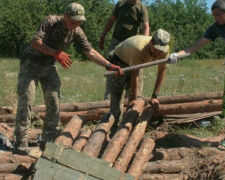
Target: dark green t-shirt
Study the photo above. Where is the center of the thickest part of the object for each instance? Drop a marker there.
(128, 19)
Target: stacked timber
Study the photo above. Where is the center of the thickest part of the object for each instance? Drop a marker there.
(128, 148)
(169, 105)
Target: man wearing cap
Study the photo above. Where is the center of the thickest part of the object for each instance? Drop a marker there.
(127, 15)
(37, 64)
(133, 51)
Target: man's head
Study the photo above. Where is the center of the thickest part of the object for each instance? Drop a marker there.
(218, 11)
(73, 16)
(159, 42)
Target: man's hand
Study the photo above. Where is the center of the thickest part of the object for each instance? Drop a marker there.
(101, 43)
(172, 58)
(113, 67)
(63, 58)
(155, 103)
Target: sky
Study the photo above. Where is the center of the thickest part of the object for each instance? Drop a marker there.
(209, 3)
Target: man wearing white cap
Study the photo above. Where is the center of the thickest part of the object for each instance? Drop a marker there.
(37, 64)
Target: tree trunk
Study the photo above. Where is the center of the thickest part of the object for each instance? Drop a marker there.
(167, 167)
(14, 176)
(142, 156)
(171, 99)
(15, 167)
(119, 139)
(191, 107)
(14, 158)
(122, 162)
(163, 177)
(94, 144)
(80, 142)
(70, 132)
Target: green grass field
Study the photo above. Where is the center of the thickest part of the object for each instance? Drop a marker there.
(85, 82)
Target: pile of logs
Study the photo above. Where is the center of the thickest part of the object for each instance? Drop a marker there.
(185, 105)
(129, 148)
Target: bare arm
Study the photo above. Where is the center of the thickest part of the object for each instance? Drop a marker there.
(159, 79)
(108, 25)
(146, 28)
(195, 46)
(158, 84)
(42, 47)
(97, 58)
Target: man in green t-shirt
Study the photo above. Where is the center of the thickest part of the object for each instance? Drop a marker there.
(127, 15)
(133, 51)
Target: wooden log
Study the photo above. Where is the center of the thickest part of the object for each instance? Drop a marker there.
(173, 153)
(72, 107)
(164, 109)
(94, 144)
(193, 107)
(142, 156)
(80, 142)
(167, 167)
(14, 158)
(15, 167)
(163, 177)
(86, 115)
(120, 137)
(122, 162)
(6, 110)
(166, 99)
(14, 176)
(70, 132)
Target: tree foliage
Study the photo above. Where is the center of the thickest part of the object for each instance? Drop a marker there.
(185, 20)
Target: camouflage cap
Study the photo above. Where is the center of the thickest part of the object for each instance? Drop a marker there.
(76, 12)
(161, 39)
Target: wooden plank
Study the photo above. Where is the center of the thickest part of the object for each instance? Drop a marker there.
(84, 163)
(46, 169)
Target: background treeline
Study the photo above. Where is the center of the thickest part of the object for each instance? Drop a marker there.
(186, 21)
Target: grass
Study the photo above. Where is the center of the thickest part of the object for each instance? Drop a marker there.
(85, 82)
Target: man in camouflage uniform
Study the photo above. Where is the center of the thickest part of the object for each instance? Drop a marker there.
(128, 15)
(133, 51)
(54, 34)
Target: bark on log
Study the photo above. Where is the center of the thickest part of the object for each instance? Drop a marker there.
(167, 167)
(72, 107)
(86, 115)
(15, 167)
(165, 109)
(70, 132)
(192, 107)
(6, 110)
(142, 156)
(185, 140)
(14, 176)
(167, 99)
(80, 142)
(173, 153)
(94, 144)
(122, 162)
(163, 177)
(120, 137)
(14, 158)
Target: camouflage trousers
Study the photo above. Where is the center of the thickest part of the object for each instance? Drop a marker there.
(118, 87)
(28, 79)
(113, 43)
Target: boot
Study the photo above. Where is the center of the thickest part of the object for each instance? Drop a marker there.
(22, 148)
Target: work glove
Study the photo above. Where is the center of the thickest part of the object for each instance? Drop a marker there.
(101, 43)
(63, 58)
(113, 67)
(172, 58)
